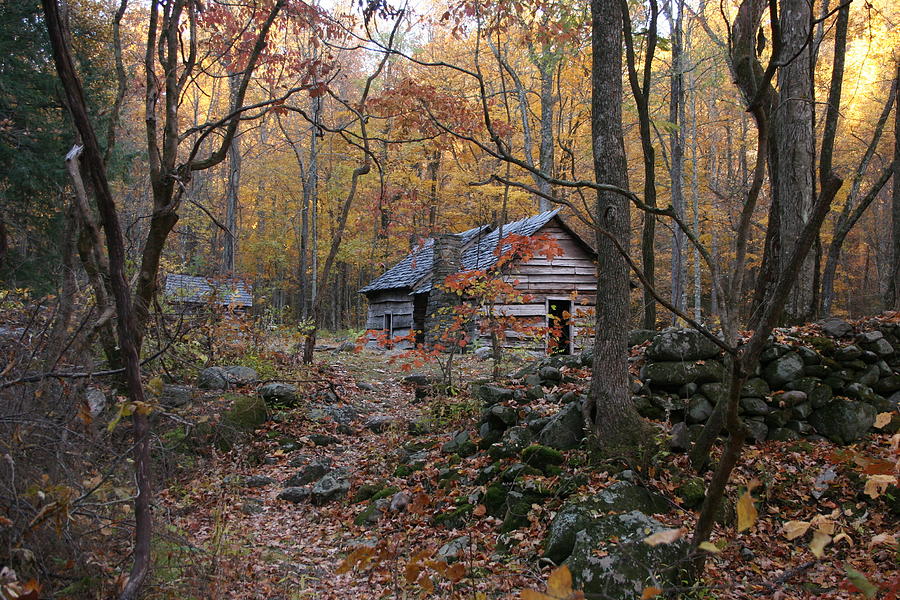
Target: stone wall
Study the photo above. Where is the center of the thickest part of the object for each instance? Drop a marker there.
(830, 381)
(447, 260)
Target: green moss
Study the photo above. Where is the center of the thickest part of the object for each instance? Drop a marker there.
(822, 345)
(541, 457)
(495, 499)
(455, 519)
(692, 492)
(246, 413)
(403, 471)
(363, 517)
(366, 492)
(387, 492)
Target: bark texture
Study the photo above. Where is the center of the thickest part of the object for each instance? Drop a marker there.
(610, 411)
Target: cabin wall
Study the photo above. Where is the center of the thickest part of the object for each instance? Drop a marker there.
(573, 271)
(398, 304)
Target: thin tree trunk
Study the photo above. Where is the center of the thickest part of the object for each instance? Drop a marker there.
(229, 248)
(893, 296)
(676, 143)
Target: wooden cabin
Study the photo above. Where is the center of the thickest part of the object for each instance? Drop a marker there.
(194, 294)
(404, 299)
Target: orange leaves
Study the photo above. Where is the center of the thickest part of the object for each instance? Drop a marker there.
(746, 511)
(559, 587)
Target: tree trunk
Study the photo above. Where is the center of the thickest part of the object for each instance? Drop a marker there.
(893, 298)
(609, 409)
(676, 143)
(229, 248)
(793, 130)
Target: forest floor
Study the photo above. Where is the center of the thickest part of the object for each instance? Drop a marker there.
(224, 539)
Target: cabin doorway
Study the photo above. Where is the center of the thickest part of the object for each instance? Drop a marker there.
(559, 322)
(420, 309)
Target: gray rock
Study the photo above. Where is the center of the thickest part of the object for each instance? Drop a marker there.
(212, 378)
(550, 374)
(501, 416)
(679, 440)
(715, 392)
(516, 439)
(306, 475)
(790, 398)
(843, 421)
(756, 407)
(801, 411)
(698, 409)
(773, 352)
(816, 392)
(569, 520)
(366, 387)
(639, 336)
(283, 394)
(870, 377)
(176, 396)
(681, 345)
(256, 481)
(492, 394)
(888, 385)
(459, 443)
(758, 430)
(347, 346)
(420, 379)
(380, 423)
(835, 327)
(609, 558)
(294, 494)
(453, 549)
(676, 374)
(624, 496)
(342, 415)
(755, 387)
(330, 487)
(323, 439)
(565, 429)
(96, 401)
(847, 353)
(779, 372)
(399, 502)
(483, 353)
(239, 375)
(252, 506)
(810, 357)
(783, 434)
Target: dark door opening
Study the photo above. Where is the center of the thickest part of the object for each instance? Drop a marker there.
(420, 308)
(389, 329)
(559, 321)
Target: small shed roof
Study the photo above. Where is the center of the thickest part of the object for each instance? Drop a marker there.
(198, 290)
(413, 272)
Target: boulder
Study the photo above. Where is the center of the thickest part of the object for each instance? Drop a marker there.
(257, 481)
(569, 520)
(565, 430)
(512, 442)
(294, 494)
(308, 474)
(782, 370)
(240, 375)
(847, 353)
(888, 385)
(672, 374)
(624, 496)
(681, 345)
(639, 336)
(330, 487)
(492, 394)
(755, 387)
(460, 443)
(542, 457)
(791, 398)
(816, 392)
(483, 353)
(380, 423)
(755, 407)
(176, 396)
(698, 410)
(758, 431)
(834, 327)
(679, 439)
(609, 558)
(453, 549)
(212, 378)
(549, 374)
(246, 413)
(843, 421)
(279, 394)
(96, 401)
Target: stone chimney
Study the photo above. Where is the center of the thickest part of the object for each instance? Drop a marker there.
(447, 260)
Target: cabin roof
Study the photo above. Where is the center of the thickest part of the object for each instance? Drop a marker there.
(414, 271)
(198, 290)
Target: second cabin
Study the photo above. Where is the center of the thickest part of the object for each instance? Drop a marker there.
(559, 293)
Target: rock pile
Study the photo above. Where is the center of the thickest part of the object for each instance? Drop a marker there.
(807, 386)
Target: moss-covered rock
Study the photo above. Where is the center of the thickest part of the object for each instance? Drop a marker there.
(246, 413)
(495, 499)
(454, 519)
(541, 457)
(692, 492)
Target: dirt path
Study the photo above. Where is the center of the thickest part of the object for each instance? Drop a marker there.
(251, 544)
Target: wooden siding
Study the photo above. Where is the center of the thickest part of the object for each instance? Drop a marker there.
(543, 280)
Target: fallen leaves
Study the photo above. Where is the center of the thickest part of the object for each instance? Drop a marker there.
(666, 536)
(746, 510)
(559, 587)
